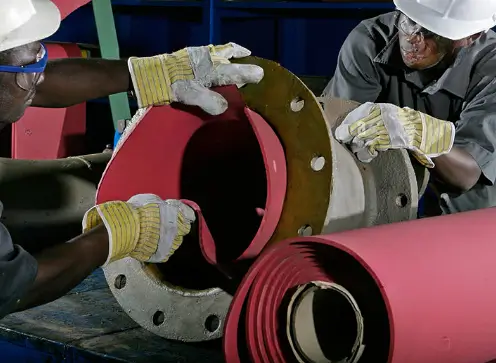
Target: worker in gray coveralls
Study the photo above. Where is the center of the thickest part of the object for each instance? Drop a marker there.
(426, 75)
(145, 227)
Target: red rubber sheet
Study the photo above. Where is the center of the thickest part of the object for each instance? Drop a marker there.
(426, 290)
(232, 167)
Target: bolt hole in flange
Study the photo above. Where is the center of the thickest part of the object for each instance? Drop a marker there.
(212, 323)
(401, 200)
(317, 163)
(120, 282)
(158, 318)
(297, 104)
(305, 231)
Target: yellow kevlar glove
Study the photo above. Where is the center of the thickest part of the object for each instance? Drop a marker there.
(145, 227)
(382, 126)
(186, 75)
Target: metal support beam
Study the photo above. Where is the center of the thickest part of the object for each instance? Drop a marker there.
(109, 46)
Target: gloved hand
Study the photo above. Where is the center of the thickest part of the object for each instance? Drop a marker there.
(185, 76)
(146, 228)
(381, 126)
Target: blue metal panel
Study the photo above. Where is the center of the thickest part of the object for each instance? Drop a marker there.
(141, 31)
(78, 27)
(305, 43)
(25, 353)
(156, 30)
(257, 34)
(298, 5)
(303, 36)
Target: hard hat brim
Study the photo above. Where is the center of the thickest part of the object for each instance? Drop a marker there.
(43, 24)
(449, 28)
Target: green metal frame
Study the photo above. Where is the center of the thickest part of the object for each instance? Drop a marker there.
(109, 47)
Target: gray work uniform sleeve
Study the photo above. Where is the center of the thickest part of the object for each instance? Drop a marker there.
(18, 271)
(476, 129)
(355, 77)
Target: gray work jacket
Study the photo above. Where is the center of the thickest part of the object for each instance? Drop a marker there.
(18, 271)
(370, 68)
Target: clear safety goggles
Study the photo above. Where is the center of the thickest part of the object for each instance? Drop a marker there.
(416, 38)
(28, 76)
(411, 29)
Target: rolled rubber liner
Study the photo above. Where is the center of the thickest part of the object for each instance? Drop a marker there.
(424, 288)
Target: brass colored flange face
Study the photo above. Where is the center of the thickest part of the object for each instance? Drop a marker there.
(294, 113)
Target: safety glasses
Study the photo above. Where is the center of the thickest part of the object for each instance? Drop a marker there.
(411, 29)
(28, 76)
(415, 38)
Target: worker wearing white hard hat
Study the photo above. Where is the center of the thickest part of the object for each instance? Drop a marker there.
(145, 227)
(426, 75)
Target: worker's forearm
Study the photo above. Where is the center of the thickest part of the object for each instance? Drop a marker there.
(63, 267)
(75, 80)
(458, 169)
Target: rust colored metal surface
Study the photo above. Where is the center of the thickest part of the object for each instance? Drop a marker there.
(294, 113)
(422, 288)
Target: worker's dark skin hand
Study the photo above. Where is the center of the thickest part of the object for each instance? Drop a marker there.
(63, 267)
(458, 169)
(72, 81)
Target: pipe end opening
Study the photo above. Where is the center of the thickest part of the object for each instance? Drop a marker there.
(325, 324)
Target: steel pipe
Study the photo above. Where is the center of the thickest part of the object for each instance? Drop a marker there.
(266, 170)
(417, 291)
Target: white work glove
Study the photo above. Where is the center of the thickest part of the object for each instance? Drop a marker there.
(145, 227)
(186, 75)
(374, 127)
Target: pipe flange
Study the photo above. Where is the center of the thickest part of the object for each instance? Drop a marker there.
(392, 183)
(396, 193)
(294, 112)
(166, 310)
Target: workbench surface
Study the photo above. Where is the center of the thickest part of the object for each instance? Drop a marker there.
(88, 325)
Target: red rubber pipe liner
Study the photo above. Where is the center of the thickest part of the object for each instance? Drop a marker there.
(426, 290)
(231, 166)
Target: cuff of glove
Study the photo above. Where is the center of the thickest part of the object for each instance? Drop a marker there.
(437, 139)
(122, 224)
(152, 77)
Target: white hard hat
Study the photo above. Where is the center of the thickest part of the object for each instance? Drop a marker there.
(452, 19)
(26, 21)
